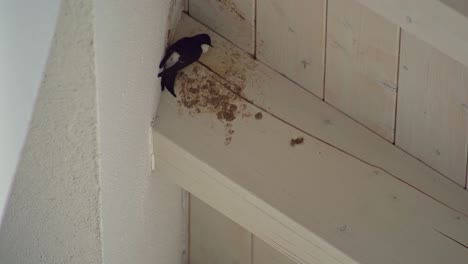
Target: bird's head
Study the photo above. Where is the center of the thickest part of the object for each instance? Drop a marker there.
(205, 42)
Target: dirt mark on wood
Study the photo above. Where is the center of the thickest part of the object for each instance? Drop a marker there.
(296, 141)
(199, 91)
(259, 116)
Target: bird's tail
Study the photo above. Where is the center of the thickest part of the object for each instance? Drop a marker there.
(168, 81)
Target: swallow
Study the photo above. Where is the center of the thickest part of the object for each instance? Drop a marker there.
(179, 55)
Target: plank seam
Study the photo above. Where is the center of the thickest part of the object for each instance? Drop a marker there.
(255, 30)
(325, 39)
(189, 244)
(452, 239)
(429, 166)
(251, 247)
(397, 88)
(466, 171)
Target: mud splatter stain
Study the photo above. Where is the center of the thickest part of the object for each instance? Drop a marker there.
(259, 116)
(200, 91)
(228, 140)
(296, 141)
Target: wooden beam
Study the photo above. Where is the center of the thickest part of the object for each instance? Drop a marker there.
(311, 200)
(299, 174)
(441, 23)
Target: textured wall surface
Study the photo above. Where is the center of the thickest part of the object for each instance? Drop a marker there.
(23, 65)
(141, 213)
(53, 211)
(84, 191)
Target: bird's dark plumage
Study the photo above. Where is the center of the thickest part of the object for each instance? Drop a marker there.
(178, 56)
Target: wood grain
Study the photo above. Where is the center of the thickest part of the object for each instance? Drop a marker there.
(291, 39)
(432, 121)
(362, 65)
(233, 19)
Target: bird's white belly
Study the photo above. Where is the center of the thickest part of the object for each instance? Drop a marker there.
(205, 48)
(173, 59)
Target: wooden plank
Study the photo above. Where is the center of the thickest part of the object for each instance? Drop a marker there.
(432, 121)
(175, 11)
(362, 65)
(262, 253)
(291, 39)
(186, 220)
(299, 108)
(442, 23)
(233, 19)
(296, 198)
(215, 239)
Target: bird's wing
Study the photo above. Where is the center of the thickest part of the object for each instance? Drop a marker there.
(168, 81)
(171, 50)
(182, 63)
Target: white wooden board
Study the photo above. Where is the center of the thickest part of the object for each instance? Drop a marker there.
(291, 39)
(215, 239)
(432, 119)
(175, 11)
(299, 108)
(233, 19)
(441, 23)
(362, 65)
(262, 253)
(296, 198)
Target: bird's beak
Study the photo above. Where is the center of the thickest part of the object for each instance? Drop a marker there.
(211, 45)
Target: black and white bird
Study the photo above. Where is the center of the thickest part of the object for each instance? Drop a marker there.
(179, 55)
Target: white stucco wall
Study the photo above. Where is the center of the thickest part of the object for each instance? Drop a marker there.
(84, 191)
(26, 31)
(141, 213)
(53, 212)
